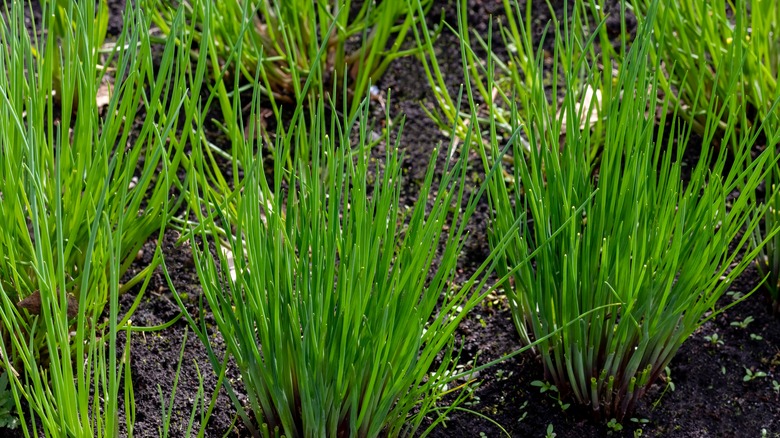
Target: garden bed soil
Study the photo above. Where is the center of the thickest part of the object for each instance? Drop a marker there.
(710, 397)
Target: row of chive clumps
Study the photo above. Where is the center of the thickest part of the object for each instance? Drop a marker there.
(337, 304)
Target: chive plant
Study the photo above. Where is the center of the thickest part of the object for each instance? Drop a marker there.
(515, 74)
(61, 27)
(662, 249)
(360, 39)
(81, 189)
(768, 260)
(709, 43)
(333, 299)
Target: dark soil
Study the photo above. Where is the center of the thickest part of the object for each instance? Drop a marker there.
(704, 396)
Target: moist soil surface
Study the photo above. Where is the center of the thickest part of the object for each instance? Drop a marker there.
(704, 395)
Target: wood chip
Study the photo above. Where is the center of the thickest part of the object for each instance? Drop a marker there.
(33, 304)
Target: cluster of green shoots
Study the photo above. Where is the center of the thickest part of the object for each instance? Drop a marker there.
(704, 46)
(515, 75)
(659, 245)
(61, 28)
(334, 301)
(82, 189)
(768, 258)
(324, 254)
(358, 40)
(337, 304)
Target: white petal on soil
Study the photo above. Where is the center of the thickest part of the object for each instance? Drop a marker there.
(103, 96)
(591, 98)
(230, 262)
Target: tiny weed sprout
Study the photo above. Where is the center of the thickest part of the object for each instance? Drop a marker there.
(544, 386)
(714, 340)
(8, 418)
(284, 38)
(655, 246)
(82, 188)
(523, 408)
(742, 324)
(667, 377)
(751, 375)
(614, 426)
(552, 392)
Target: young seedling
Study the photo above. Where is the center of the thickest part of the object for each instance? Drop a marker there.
(546, 387)
(503, 375)
(666, 377)
(8, 417)
(614, 426)
(714, 340)
(751, 375)
(742, 324)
